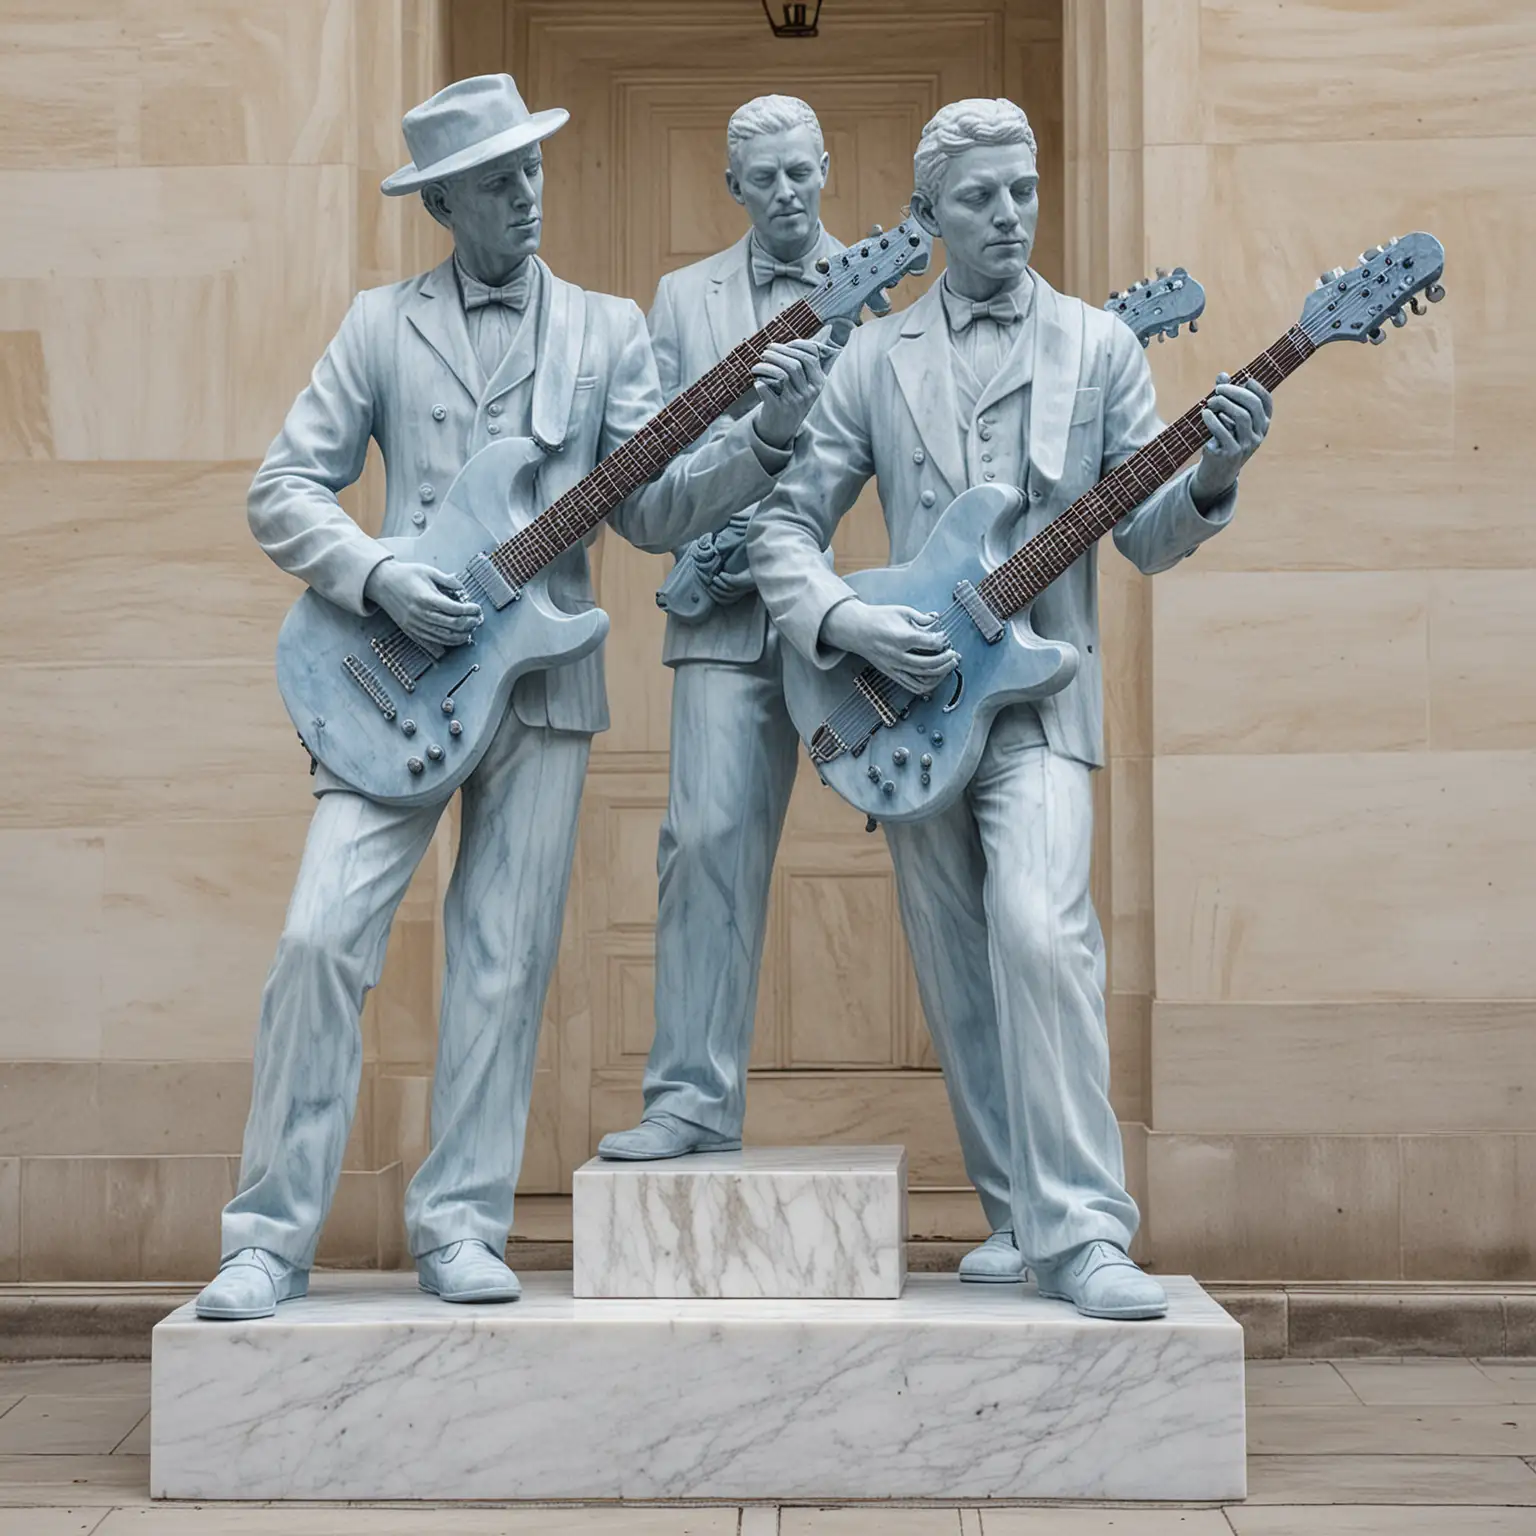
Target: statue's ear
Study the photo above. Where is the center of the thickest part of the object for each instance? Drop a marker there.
(733, 185)
(922, 211)
(436, 203)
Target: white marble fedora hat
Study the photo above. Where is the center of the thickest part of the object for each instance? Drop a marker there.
(467, 124)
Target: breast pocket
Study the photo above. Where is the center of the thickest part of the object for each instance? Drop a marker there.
(1085, 405)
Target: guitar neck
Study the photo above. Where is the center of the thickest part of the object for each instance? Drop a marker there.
(569, 520)
(1027, 573)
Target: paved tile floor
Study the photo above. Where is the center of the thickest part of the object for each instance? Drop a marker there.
(1345, 1448)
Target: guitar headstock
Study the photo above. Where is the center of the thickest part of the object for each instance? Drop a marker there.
(1158, 306)
(1353, 305)
(861, 274)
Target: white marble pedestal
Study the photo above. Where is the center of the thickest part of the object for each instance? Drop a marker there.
(370, 1390)
(828, 1222)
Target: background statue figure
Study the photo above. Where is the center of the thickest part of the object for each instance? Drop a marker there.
(434, 369)
(734, 749)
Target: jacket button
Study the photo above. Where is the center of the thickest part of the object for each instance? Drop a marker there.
(918, 456)
(439, 413)
(990, 474)
(493, 427)
(927, 498)
(984, 433)
(419, 517)
(986, 458)
(427, 494)
(493, 410)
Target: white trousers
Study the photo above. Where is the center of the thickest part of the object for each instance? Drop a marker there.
(501, 922)
(1010, 967)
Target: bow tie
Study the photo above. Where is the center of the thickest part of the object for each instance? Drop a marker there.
(514, 294)
(765, 268)
(1004, 310)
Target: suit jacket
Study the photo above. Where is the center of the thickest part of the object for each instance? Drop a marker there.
(402, 371)
(889, 410)
(700, 312)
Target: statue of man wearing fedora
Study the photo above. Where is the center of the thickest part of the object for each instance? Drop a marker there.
(433, 369)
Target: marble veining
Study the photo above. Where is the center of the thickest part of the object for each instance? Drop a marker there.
(368, 1389)
(762, 1222)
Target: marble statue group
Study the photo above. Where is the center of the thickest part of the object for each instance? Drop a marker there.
(990, 377)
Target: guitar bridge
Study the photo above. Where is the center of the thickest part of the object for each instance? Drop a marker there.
(871, 696)
(368, 681)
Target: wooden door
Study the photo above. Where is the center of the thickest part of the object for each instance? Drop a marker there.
(634, 188)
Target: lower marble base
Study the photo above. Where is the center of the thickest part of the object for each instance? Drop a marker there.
(370, 1390)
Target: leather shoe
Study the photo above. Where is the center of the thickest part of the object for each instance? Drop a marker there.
(1100, 1280)
(662, 1137)
(250, 1284)
(466, 1271)
(997, 1262)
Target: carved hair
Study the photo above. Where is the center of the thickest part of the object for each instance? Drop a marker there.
(960, 126)
(769, 114)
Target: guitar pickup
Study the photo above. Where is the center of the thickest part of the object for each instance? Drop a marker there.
(499, 592)
(992, 628)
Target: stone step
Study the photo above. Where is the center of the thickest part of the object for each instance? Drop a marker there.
(780, 1222)
(369, 1389)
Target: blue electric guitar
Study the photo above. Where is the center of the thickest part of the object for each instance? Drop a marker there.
(898, 756)
(405, 723)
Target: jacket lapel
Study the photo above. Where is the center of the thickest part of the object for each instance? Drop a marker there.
(728, 299)
(561, 318)
(438, 318)
(924, 371)
(1057, 370)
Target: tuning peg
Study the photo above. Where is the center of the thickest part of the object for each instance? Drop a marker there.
(1144, 341)
(1194, 325)
(1173, 330)
(1336, 274)
(1394, 239)
(1162, 336)
(1416, 307)
(1375, 337)
(875, 229)
(1434, 293)
(1371, 253)
(1399, 319)
(1115, 294)
(1162, 271)
(1181, 271)
(822, 265)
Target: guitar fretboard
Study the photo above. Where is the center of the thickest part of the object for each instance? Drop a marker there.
(1027, 573)
(570, 519)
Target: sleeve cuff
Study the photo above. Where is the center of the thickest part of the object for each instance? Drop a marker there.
(774, 460)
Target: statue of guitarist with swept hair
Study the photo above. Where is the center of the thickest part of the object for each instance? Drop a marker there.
(993, 378)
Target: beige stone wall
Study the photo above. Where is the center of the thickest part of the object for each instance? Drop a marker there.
(1314, 832)
(1322, 794)
(191, 200)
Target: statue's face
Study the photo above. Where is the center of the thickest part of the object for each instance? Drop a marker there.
(987, 210)
(496, 211)
(778, 179)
